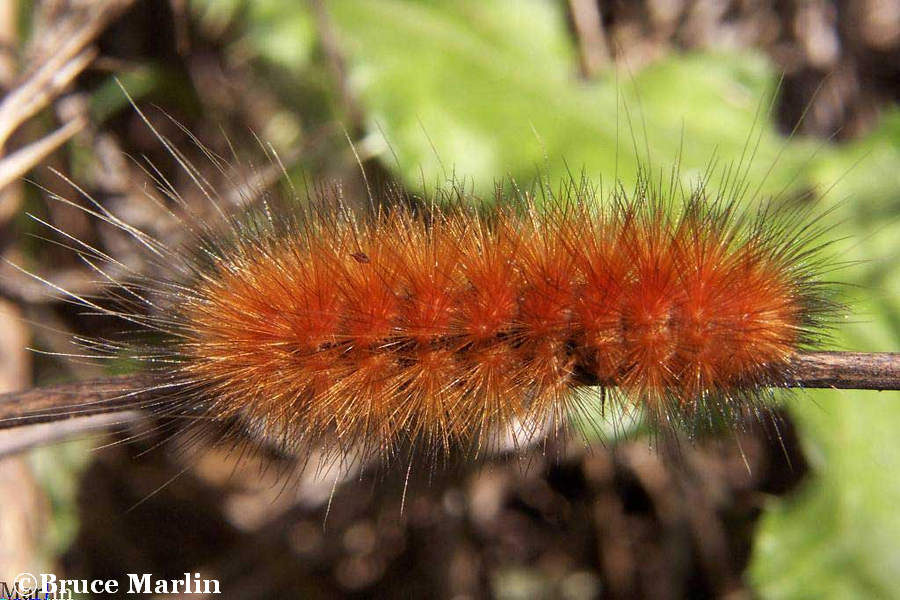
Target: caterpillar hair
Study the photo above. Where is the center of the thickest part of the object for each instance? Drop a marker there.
(442, 321)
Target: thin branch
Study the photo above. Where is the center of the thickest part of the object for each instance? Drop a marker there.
(829, 370)
(39, 91)
(14, 441)
(837, 370)
(18, 163)
(67, 56)
(848, 370)
(337, 63)
(593, 50)
(74, 400)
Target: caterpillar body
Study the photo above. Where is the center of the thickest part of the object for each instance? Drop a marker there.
(440, 323)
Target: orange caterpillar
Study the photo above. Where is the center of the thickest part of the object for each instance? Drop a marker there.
(440, 324)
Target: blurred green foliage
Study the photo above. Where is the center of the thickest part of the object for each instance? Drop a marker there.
(839, 537)
(491, 91)
(485, 90)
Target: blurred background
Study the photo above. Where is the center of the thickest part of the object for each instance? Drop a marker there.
(482, 90)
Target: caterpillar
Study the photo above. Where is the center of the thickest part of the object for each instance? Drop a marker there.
(441, 322)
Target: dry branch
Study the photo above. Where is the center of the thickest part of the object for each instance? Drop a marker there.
(848, 370)
(839, 370)
(71, 54)
(593, 50)
(74, 400)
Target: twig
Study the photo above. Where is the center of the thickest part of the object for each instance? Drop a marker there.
(70, 56)
(337, 63)
(39, 90)
(826, 370)
(14, 441)
(74, 400)
(838, 370)
(592, 47)
(18, 163)
(848, 370)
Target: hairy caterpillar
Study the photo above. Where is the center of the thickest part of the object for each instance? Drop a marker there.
(440, 323)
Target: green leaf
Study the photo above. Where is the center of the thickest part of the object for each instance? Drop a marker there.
(839, 537)
(489, 89)
(282, 33)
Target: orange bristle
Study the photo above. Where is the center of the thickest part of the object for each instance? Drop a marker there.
(442, 326)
